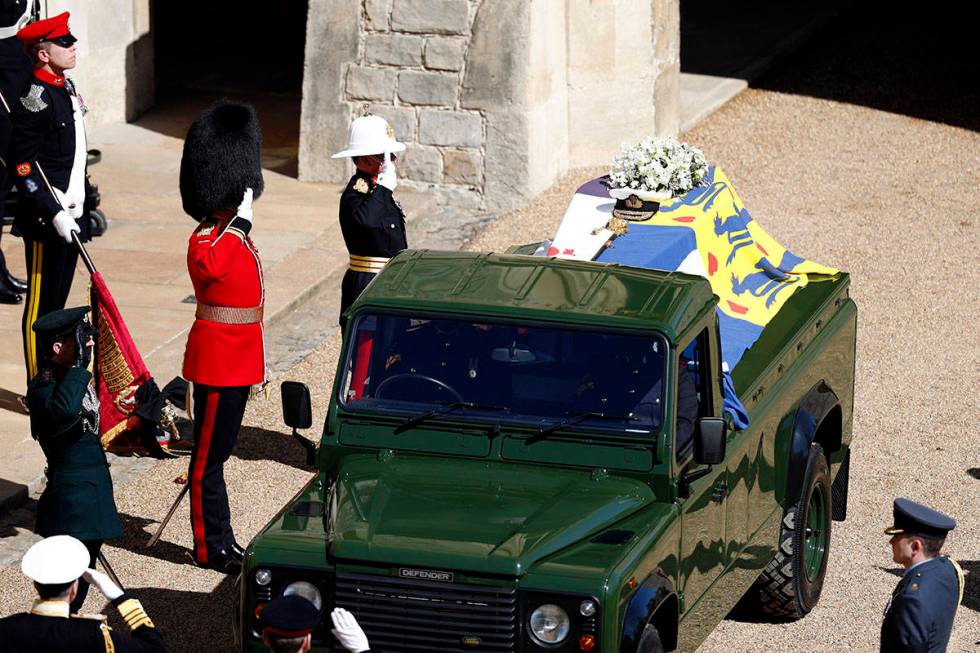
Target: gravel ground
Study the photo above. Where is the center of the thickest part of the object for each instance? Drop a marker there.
(889, 197)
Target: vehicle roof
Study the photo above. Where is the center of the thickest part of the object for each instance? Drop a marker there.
(536, 287)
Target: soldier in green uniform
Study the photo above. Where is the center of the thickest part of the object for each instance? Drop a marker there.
(65, 421)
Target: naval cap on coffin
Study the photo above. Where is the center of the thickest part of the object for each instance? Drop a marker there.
(222, 157)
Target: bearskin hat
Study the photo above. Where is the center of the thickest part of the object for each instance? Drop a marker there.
(222, 157)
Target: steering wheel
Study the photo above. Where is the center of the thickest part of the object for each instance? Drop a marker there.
(440, 385)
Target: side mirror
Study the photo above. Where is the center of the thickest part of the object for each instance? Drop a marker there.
(297, 412)
(710, 439)
(297, 409)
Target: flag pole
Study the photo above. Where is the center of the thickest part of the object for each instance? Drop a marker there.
(74, 235)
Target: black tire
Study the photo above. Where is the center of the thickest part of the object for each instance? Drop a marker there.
(650, 641)
(98, 222)
(785, 590)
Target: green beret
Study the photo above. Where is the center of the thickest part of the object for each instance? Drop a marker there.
(59, 322)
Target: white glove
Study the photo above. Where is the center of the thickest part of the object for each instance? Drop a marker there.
(74, 209)
(64, 224)
(245, 208)
(347, 632)
(388, 177)
(109, 589)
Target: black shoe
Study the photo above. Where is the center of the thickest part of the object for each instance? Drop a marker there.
(12, 283)
(9, 297)
(236, 551)
(224, 562)
(9, 281)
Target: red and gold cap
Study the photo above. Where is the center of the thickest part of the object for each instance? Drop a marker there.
(54, 29)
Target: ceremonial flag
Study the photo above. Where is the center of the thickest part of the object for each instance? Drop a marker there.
(119, 372)
(708, 233)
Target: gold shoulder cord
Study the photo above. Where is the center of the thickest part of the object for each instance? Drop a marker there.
(110, 647)
(961, 578)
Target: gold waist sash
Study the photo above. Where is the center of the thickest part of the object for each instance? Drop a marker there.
(229, 314)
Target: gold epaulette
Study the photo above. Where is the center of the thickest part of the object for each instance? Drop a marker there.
(133, 614)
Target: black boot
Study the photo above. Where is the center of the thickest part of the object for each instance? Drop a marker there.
(9, 296)
(9, 281)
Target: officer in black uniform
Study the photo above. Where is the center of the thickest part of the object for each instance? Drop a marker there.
(919, 617)
(57, 565)
(288, 622)
(371, 220)
(49, 138)
(15, 70)
(64, 407)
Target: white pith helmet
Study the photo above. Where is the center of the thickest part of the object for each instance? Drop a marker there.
(370, 134)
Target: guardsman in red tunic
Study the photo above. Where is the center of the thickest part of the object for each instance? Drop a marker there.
(219, 171)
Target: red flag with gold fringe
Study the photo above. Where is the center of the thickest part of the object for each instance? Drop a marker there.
(119, 372)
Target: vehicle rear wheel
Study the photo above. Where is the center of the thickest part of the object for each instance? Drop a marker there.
(790, 585)
(650, 641)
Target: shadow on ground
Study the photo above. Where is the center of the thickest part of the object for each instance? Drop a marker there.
(875, 56)
(262, 444)
(186, 619)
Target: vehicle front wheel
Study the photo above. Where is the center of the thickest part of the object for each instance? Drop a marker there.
(650, 641)
(790, 585)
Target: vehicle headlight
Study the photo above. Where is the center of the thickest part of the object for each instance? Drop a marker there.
(263, 576)
(307, 590)
(549, 624)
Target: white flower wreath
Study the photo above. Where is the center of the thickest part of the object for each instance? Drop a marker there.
(657, 169)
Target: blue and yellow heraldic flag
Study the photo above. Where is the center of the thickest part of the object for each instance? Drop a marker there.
(707, 232)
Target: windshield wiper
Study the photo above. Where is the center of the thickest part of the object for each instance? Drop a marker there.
(578, 418)
(445, 409)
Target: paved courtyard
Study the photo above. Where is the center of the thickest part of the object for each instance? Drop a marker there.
(843, 170)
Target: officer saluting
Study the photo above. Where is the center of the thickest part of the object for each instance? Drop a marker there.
(49, 136)
(220, 170)
(77, 499)
(919, 617)
(56, 566)
(288, 622)
(372, 222)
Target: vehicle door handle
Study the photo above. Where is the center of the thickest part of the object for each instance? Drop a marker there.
(721, 491)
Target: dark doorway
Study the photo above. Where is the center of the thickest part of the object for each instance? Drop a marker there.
(204, 51)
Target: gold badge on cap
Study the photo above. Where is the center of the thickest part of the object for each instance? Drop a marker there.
(391, 132)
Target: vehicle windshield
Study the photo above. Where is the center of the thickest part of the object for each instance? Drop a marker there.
(506, 372)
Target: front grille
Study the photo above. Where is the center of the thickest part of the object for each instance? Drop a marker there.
(404, 616)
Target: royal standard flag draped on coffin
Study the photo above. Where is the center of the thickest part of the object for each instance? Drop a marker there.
(707, 232)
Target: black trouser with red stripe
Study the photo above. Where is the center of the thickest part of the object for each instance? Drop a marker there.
(218, 413)
(50, 271)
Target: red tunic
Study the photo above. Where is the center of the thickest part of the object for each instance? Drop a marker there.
(226, 271)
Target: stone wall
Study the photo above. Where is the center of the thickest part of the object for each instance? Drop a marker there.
(494, 98)
(115, 56)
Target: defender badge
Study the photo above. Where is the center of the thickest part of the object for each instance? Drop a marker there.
(426, 574)
(360, 185)
(633, 202)
(32, 101)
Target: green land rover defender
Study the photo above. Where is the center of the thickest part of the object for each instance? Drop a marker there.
(524, 454)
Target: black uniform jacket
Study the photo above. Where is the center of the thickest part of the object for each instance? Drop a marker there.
(372, 222)
(44, 135)
(919, 618)
(65, 421)
(46, 630)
